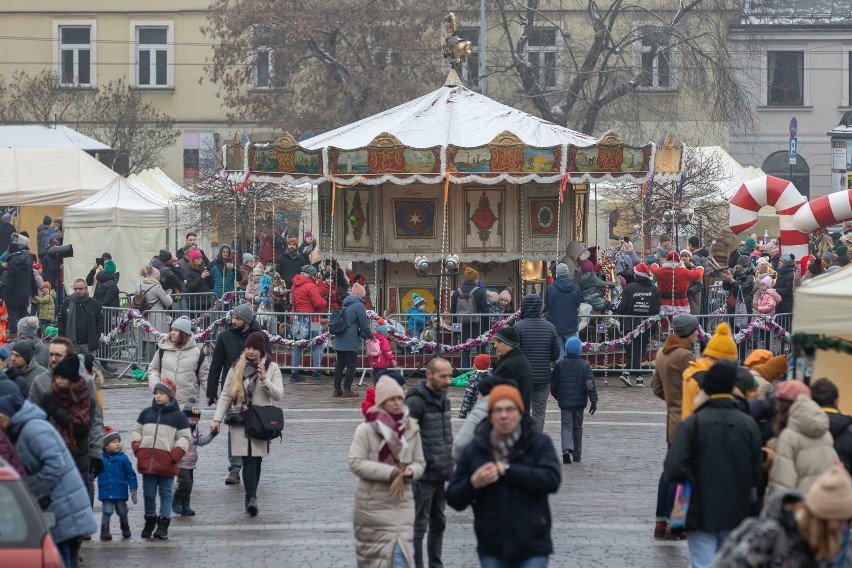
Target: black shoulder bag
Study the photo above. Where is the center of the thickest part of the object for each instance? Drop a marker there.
(263, 422)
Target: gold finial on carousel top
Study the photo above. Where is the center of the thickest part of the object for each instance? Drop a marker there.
(455, 48)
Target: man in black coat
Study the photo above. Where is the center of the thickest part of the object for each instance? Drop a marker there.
(20, 283)
(785, 283)
(640, 298)
(825, 394)
(229, 347)
(511, 363)
(6, 231)
(542, 347)
(429, 405)
(291, 261)
(81, 319)
(717, 449)
(506, 474)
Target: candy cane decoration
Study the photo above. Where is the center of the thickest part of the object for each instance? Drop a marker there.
(780, 194)
(831, 209)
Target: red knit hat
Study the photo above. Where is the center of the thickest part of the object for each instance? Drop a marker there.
(257, 341)
(167, 386)
(481, 362)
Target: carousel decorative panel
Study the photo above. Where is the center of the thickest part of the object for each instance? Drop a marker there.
(485, 224)
(357, 220)
(414, 218)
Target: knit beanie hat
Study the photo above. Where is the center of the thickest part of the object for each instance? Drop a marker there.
(471, 274)
(191, 408)
(109, 267)
(69, 368)
(587, 266)
(4, 354)
(684, 324)
(761, 261)
(573, 346)
(164, 255)
(562, 269)
(392, 373)
(309, 270)
(720, 378)
(750, 244)
(257, 340)
(790, 390)
(27, 327)
(358, 290)
(258, 269)
(766, 281)
(509, 336)
(247, 257)
(650, 259)
(183, 324)
(773, 369)
(387, 388)
(308, 234)
(830, 497)
(786, 258)
(481, 362)
(10, 404)
(244, 312)
(292, 241)
(193, 254)
(841, 250)
(665, 238)
(757, 357)
(505, 295)
(24, 349)
(166, 386)
(110, 434)
(418, 300)
(505, 392)
(149, 272)
(721, 345)
(381, 326)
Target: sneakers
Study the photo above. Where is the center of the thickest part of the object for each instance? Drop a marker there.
(625, 378)
(233, 477)
(566, 458)
(349, 394)
(640, 382)
(317, 375)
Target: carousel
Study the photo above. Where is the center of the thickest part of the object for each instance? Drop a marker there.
(450, 179)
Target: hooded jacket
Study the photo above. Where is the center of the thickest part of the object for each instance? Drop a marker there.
(179, 364)
(474, 326)
(572, 383)
(223, 277)
(784, 286)
(513, 366)
(161, 437)
(116, 477)
(106, 292)
(168, 277)
(768, 302)
(593, 288)
(6, 231)
(20, 284)
(672, 360)
(357, 325)
(540, 343)
(305, 296)
(562, 300)
(432, 413)
(805, 448)
(639, 298)
(691, 386)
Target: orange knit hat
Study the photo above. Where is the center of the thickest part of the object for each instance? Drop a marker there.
(505, 392)
(757, 357)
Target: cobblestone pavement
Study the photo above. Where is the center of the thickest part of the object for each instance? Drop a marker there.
(603, 514)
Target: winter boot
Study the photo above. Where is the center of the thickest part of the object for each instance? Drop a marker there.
(660, 529)
(566, 458)
(162, 532)
(150, 523)
(105, 532)
(125, 529)
(233, 477)
(177, 508)
(348, 393)
(187, 511)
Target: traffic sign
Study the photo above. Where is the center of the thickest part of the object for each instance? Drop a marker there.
(793, 148)
(794, 127)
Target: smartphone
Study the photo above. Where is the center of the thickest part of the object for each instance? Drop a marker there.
(99, 261)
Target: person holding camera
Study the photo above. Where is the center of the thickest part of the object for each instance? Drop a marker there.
(20, 283)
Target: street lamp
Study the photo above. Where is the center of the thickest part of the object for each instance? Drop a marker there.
(450, 267)
(677, 217)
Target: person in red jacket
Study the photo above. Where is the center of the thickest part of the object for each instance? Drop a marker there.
(673, 280)
(385, 360)
(306, 299)
(328, 290)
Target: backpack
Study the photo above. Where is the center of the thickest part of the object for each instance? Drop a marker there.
(139, 301)
(465, 304)
(201, 357)
(372, 348)
(337, 323)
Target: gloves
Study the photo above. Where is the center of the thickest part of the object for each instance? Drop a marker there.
(133, 496)
(96, 466)
(593, 408)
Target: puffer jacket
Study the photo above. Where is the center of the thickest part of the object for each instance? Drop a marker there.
(691, 386)
(381, 521)
(572, 383)
(357, 325)
(562, 300)
(672, 360)
(47, 306)
(190, 458)
(116, 477)
(106, 292)
(805, 448)
(180, 364)
(768, 302)
(593, 289)
(157, 301)
(161, 437)
(840, 426)
(305, 296)
(432, 413)
(386, 359)
(46, 457)
(540, 342)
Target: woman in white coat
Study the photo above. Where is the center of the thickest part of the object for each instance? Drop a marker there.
(181, 359)
(387, 457)
(256, 379)
(157, 301)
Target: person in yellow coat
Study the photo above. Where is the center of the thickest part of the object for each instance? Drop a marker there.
(721, 346)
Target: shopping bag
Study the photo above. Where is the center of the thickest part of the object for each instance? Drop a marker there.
(677, 519)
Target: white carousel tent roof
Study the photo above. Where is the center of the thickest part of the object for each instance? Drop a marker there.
(450, 116)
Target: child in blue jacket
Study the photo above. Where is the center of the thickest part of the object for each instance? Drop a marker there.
(114, 480)
(572, 384)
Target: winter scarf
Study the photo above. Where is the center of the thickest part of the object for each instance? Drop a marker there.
(391, 429)
(502, 448)
(78, 408)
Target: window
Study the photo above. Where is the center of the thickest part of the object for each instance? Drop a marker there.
(470, 69)
(656, 60)
(75, 55)
(263, 68)
(786, 78)
(541, 53)
(153, 56)
(778, 164)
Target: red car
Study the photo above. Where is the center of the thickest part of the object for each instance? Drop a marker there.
(25, 540)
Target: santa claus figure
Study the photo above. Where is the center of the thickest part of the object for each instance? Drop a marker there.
(673, 280)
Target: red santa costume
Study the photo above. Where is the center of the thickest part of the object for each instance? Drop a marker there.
(673, 279)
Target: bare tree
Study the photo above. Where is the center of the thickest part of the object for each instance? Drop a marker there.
(316, 64)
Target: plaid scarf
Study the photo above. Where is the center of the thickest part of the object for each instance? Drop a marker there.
(76, 404)
(391, 429)
(501, 448)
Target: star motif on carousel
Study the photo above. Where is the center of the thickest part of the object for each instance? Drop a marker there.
(415, 220)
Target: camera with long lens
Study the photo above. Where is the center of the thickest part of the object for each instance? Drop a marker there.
(61, 251)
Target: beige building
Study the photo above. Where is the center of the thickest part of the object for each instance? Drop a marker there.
(156, 45)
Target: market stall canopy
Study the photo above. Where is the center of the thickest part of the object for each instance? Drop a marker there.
(120, 202)
(50, 176)
(453, 133)
(40, 136)
(821, 304)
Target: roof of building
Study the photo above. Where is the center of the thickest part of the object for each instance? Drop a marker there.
(40, 136)
(797, 13)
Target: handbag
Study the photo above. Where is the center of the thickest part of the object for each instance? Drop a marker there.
(263, 422)
(234, 417)
(741, 310)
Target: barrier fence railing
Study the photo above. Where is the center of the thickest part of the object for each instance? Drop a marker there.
(608, 350)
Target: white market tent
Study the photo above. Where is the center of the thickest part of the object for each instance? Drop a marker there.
(40, 136)
(125, 218)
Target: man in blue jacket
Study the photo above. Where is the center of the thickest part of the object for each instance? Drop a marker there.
(348, 344)
(561, 302)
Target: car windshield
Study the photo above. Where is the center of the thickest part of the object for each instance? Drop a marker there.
(19, 524)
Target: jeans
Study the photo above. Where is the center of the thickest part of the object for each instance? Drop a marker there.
(398, 558)
(70, 551)
(316, 350)
(153, 484)
(494, 562)
(251, 474)
(430, 500)
(665, 497)
(347, 360)
(703, 547)
(185, 479)
(234, 462)
(540, 395)
(110, 506)
(572, 430)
